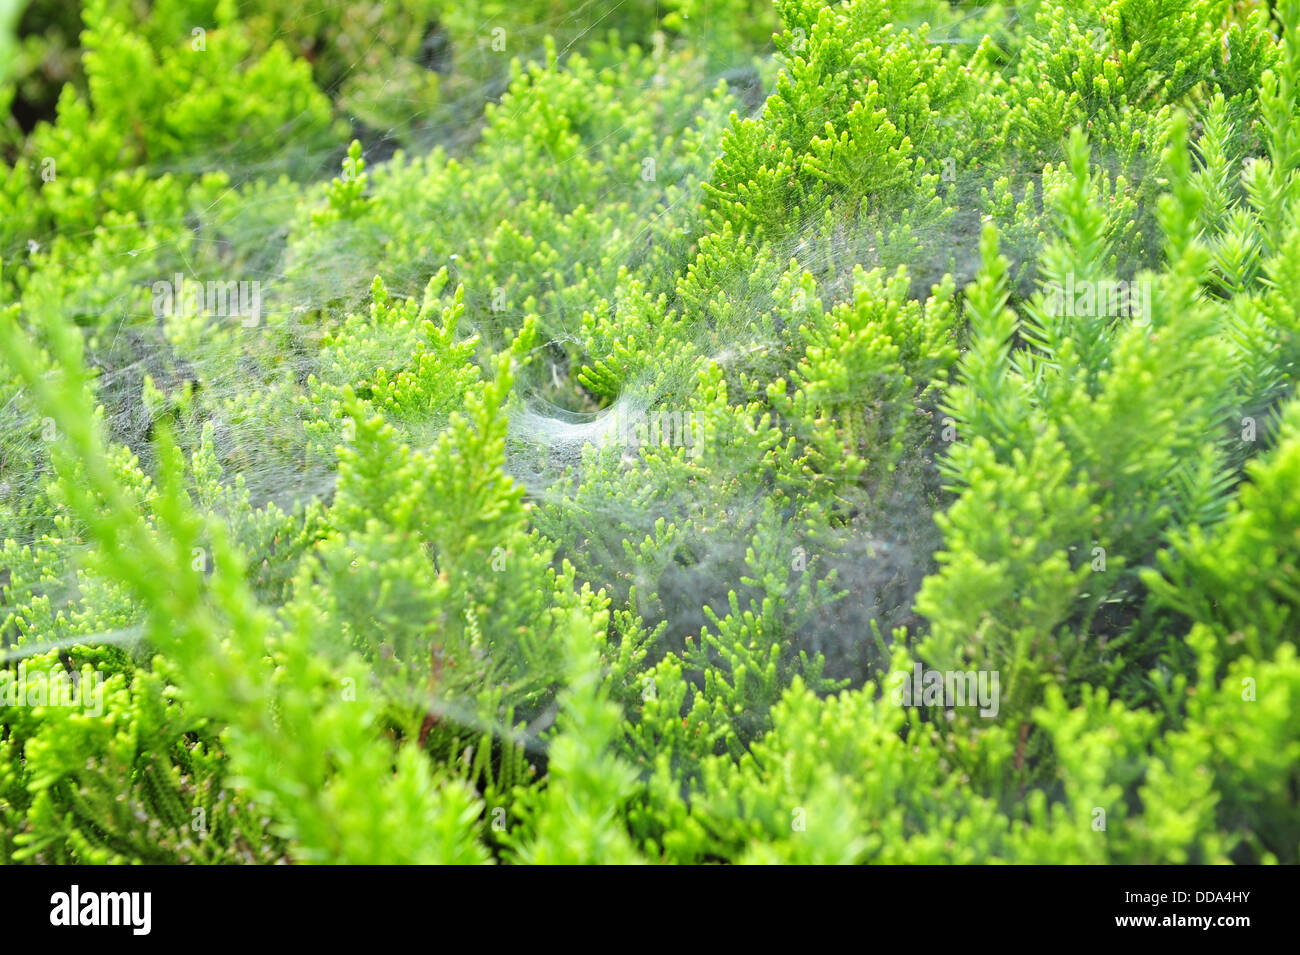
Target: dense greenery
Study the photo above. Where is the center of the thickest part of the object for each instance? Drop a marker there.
(376, 569)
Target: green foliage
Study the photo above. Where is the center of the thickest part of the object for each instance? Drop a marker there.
(586, 423)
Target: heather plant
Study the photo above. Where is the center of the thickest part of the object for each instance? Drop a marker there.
(697, 431)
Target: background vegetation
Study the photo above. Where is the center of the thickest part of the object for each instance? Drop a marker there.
(371, 574)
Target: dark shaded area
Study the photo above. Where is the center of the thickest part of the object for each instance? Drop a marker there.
(435, 50)
(49, 37)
